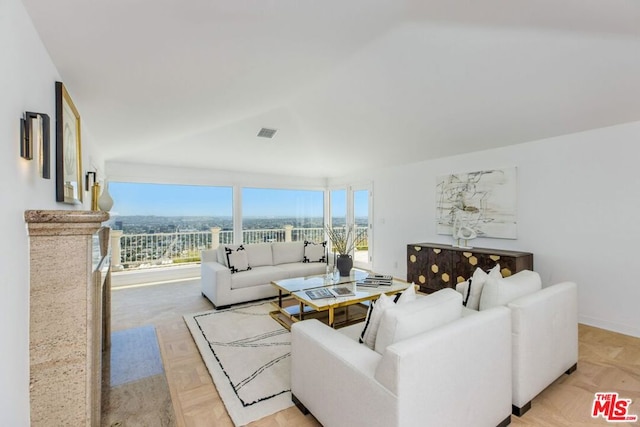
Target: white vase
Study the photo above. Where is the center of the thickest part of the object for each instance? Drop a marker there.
(105, 202)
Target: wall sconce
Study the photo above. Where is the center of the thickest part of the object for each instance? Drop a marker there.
(34, 128)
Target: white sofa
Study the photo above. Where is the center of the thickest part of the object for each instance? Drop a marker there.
(268, 262)
(454, 374)
(544, 330)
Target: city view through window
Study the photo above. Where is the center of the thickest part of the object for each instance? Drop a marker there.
(171, 224)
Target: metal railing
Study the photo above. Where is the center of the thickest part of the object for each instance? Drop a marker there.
(159, 249)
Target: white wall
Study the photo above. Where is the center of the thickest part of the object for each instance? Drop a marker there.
(578, 204)
(27, 84)
(144, 173)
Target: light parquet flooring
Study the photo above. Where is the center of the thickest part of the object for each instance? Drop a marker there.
(608, 362)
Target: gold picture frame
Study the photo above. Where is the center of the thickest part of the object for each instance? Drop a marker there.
(68, 149)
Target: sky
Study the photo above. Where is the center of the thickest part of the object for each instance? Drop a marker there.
(195, 200)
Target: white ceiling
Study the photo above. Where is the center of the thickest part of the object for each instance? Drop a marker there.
(348, 84)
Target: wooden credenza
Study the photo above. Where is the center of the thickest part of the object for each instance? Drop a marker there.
(435, 266)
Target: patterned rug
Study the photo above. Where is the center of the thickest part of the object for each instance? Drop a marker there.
(248, 356)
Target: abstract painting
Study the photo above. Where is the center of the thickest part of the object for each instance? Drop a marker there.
(484, 201)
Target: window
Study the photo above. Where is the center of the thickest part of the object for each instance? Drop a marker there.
(278, 215)
(169, 224)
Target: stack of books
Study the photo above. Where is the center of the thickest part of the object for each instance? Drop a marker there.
(375, 280)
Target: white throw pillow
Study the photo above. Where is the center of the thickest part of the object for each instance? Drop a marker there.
(238, 260)
(315, 252)
(407, 295)
(222, 253)
(406, 320)
(472, 299)
(498, 292)
(372, 322)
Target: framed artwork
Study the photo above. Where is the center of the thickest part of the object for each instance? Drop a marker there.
(482, 203)
(68, 149)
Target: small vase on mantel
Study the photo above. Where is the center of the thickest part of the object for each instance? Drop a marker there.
(105, 202)
(345, 264)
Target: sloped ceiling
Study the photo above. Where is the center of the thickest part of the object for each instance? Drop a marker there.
(348, 84)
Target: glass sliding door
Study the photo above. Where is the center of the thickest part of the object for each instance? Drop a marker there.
(362, 213)
(352, 207)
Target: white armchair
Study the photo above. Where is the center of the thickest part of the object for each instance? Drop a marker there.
(545, 340)
(544, 329)
(453, 375)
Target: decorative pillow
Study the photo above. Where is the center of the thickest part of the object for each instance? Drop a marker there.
(406, 320)
(315, 252)
(471, 290)
(222, 253)
(407, 295)
(500, 291)
(372, 322)
(237, 259)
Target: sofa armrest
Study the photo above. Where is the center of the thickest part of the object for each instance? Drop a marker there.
(545, 338)
(215, 281)
(330, 371)
(433, 373)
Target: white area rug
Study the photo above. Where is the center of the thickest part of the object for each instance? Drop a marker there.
(248, 356)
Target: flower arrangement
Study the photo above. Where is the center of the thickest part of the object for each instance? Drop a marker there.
(345, 238)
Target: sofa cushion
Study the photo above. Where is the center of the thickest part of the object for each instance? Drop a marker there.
(406, 320)
(259, 254)
(237, 259)
(501, 291)
(471, 289)
(256, 276)
(286, 252)
(377, 309)
(315, 252)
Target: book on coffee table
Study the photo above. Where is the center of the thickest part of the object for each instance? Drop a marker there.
(341, 291)
(375, 280)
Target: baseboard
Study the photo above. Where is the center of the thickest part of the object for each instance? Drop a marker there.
(620, 328)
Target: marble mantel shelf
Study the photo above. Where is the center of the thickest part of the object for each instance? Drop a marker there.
(63, 222)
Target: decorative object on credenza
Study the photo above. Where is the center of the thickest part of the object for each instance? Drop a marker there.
(105, 202)
(463, 235)
(343, 241)
(68, 149)
(34, 130)
(484, 201)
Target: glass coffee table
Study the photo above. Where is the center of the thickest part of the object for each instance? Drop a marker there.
(295, 302)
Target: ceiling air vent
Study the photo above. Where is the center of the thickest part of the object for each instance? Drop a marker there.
(267, 133)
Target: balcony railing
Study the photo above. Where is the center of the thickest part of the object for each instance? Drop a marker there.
(131, 251)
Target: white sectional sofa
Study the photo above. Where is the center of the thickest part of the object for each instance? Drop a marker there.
(544, 329)
(454, 372)
(249, 275)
